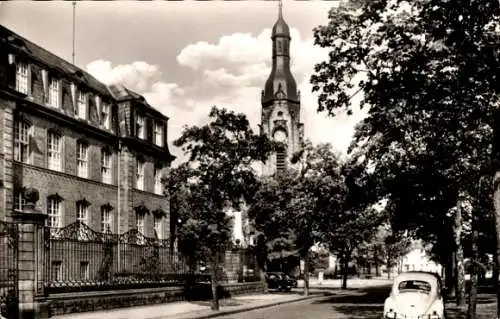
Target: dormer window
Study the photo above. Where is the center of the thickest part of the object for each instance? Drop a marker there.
(82, 105)
(158, 134)
(106, 116)
(54, 93)
(22, 77)
(140, 127)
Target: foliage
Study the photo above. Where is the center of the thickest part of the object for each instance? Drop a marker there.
(430, 79)
(219, 175)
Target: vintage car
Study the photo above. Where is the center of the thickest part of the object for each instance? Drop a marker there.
(280, 281)
(415, 295)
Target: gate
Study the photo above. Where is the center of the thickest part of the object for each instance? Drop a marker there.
(8, 270)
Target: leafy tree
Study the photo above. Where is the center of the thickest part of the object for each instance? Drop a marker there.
(221, 155)
(430, 82)
(318, 194)
(271, 222)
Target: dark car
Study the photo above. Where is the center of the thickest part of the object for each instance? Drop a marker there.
(280, 281)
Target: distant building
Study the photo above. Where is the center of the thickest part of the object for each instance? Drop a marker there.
(96, 154)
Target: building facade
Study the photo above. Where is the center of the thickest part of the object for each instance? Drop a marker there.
(97, 154)
(280, 99)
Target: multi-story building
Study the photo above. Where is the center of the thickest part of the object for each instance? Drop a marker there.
(95, 153)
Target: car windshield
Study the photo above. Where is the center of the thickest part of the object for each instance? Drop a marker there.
(414, 285)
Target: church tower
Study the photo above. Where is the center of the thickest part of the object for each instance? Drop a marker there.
(280, 100)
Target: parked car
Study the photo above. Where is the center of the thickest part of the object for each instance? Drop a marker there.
(280, 281)
(415, 295)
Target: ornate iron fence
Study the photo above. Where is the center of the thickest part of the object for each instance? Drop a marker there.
(81, 259)
(8, 270)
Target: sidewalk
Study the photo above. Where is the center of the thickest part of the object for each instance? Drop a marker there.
(194, 310)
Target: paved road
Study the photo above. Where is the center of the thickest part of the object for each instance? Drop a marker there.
(349, 305)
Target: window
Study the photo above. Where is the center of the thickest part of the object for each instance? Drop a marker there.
(106, 167)
(56, 271)
(158, 138)
(158, 227)
(22, 152)
(84, 270)
(22, 78)
(82, 105)
(158, 182)
(54, 151)
(54, 212)
(82, 212)
(106, 116)
(54, 93)
(82, 159)
(140, 222)
(19, 201)
(106, 219)
(139, 127)
(140, 175)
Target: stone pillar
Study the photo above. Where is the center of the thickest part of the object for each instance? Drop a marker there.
(31, 260)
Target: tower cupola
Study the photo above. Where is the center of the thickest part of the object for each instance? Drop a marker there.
(280, 84)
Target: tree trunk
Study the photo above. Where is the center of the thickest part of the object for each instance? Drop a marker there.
(496, 202)
(450, 271)
(215, 295)
(306, 273)
(345, 270)
(471, 311)
(457, 231)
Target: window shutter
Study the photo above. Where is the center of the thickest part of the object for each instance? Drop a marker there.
(149, 129)
(73, 98)
(98, 108)
(60, 93)
(30, 83)
(164, 124)
(45, 80)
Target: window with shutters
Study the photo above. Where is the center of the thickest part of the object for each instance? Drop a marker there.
(106, 219)
(106, 166)
(158, 183)
(19, 200)
(54, 212)
(140, 168)
(140, 126)
(281, 160)
(54, 150)
(22, 77)
(54, 87)
(22, 135)
(82, 159)
(82, 105)
(158, 134)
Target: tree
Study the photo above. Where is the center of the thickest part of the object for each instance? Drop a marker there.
(431, 83)
(270, 221)
(318, 193)
(221, 155)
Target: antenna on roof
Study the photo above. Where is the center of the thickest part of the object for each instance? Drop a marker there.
(74, 11)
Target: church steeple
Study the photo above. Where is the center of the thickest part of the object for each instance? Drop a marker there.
(280, 81)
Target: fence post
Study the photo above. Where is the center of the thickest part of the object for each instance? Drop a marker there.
(31, 266)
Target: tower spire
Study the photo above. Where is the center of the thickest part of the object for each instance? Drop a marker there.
(280, 8)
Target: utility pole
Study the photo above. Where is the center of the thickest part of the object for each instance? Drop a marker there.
(74, 15)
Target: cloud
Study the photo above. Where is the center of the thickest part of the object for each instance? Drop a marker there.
(231, 73)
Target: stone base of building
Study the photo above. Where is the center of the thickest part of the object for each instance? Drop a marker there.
(67, 303)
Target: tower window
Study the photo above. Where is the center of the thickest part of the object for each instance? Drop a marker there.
(280, 114)
(281, 160)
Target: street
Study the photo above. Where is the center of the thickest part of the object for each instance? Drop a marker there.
(351, 304)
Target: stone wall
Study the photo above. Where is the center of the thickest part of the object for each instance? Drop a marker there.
(91, 301)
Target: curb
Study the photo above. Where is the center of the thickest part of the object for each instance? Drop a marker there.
(235, 311)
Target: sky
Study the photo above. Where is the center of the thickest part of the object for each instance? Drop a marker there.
(187, 56)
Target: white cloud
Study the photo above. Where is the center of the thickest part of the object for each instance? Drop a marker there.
(232, 73)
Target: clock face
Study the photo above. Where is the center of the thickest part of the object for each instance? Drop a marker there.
(280, 136)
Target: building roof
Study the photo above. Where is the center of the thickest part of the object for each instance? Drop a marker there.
(121, 93)
(36, 52)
